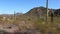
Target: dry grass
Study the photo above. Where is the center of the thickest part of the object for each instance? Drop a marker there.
(29, 23)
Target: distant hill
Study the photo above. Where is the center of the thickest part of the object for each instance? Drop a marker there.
(16, 14)
(36, 10)
(41, 11)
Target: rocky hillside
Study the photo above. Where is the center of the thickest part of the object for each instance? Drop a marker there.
(38, 11)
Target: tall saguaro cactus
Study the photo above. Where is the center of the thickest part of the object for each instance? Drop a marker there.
(14, 16)
(46, 11)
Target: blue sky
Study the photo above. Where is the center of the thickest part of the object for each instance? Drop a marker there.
(22, 6)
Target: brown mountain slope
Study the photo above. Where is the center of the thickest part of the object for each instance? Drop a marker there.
(36, 11)
(41, 11)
